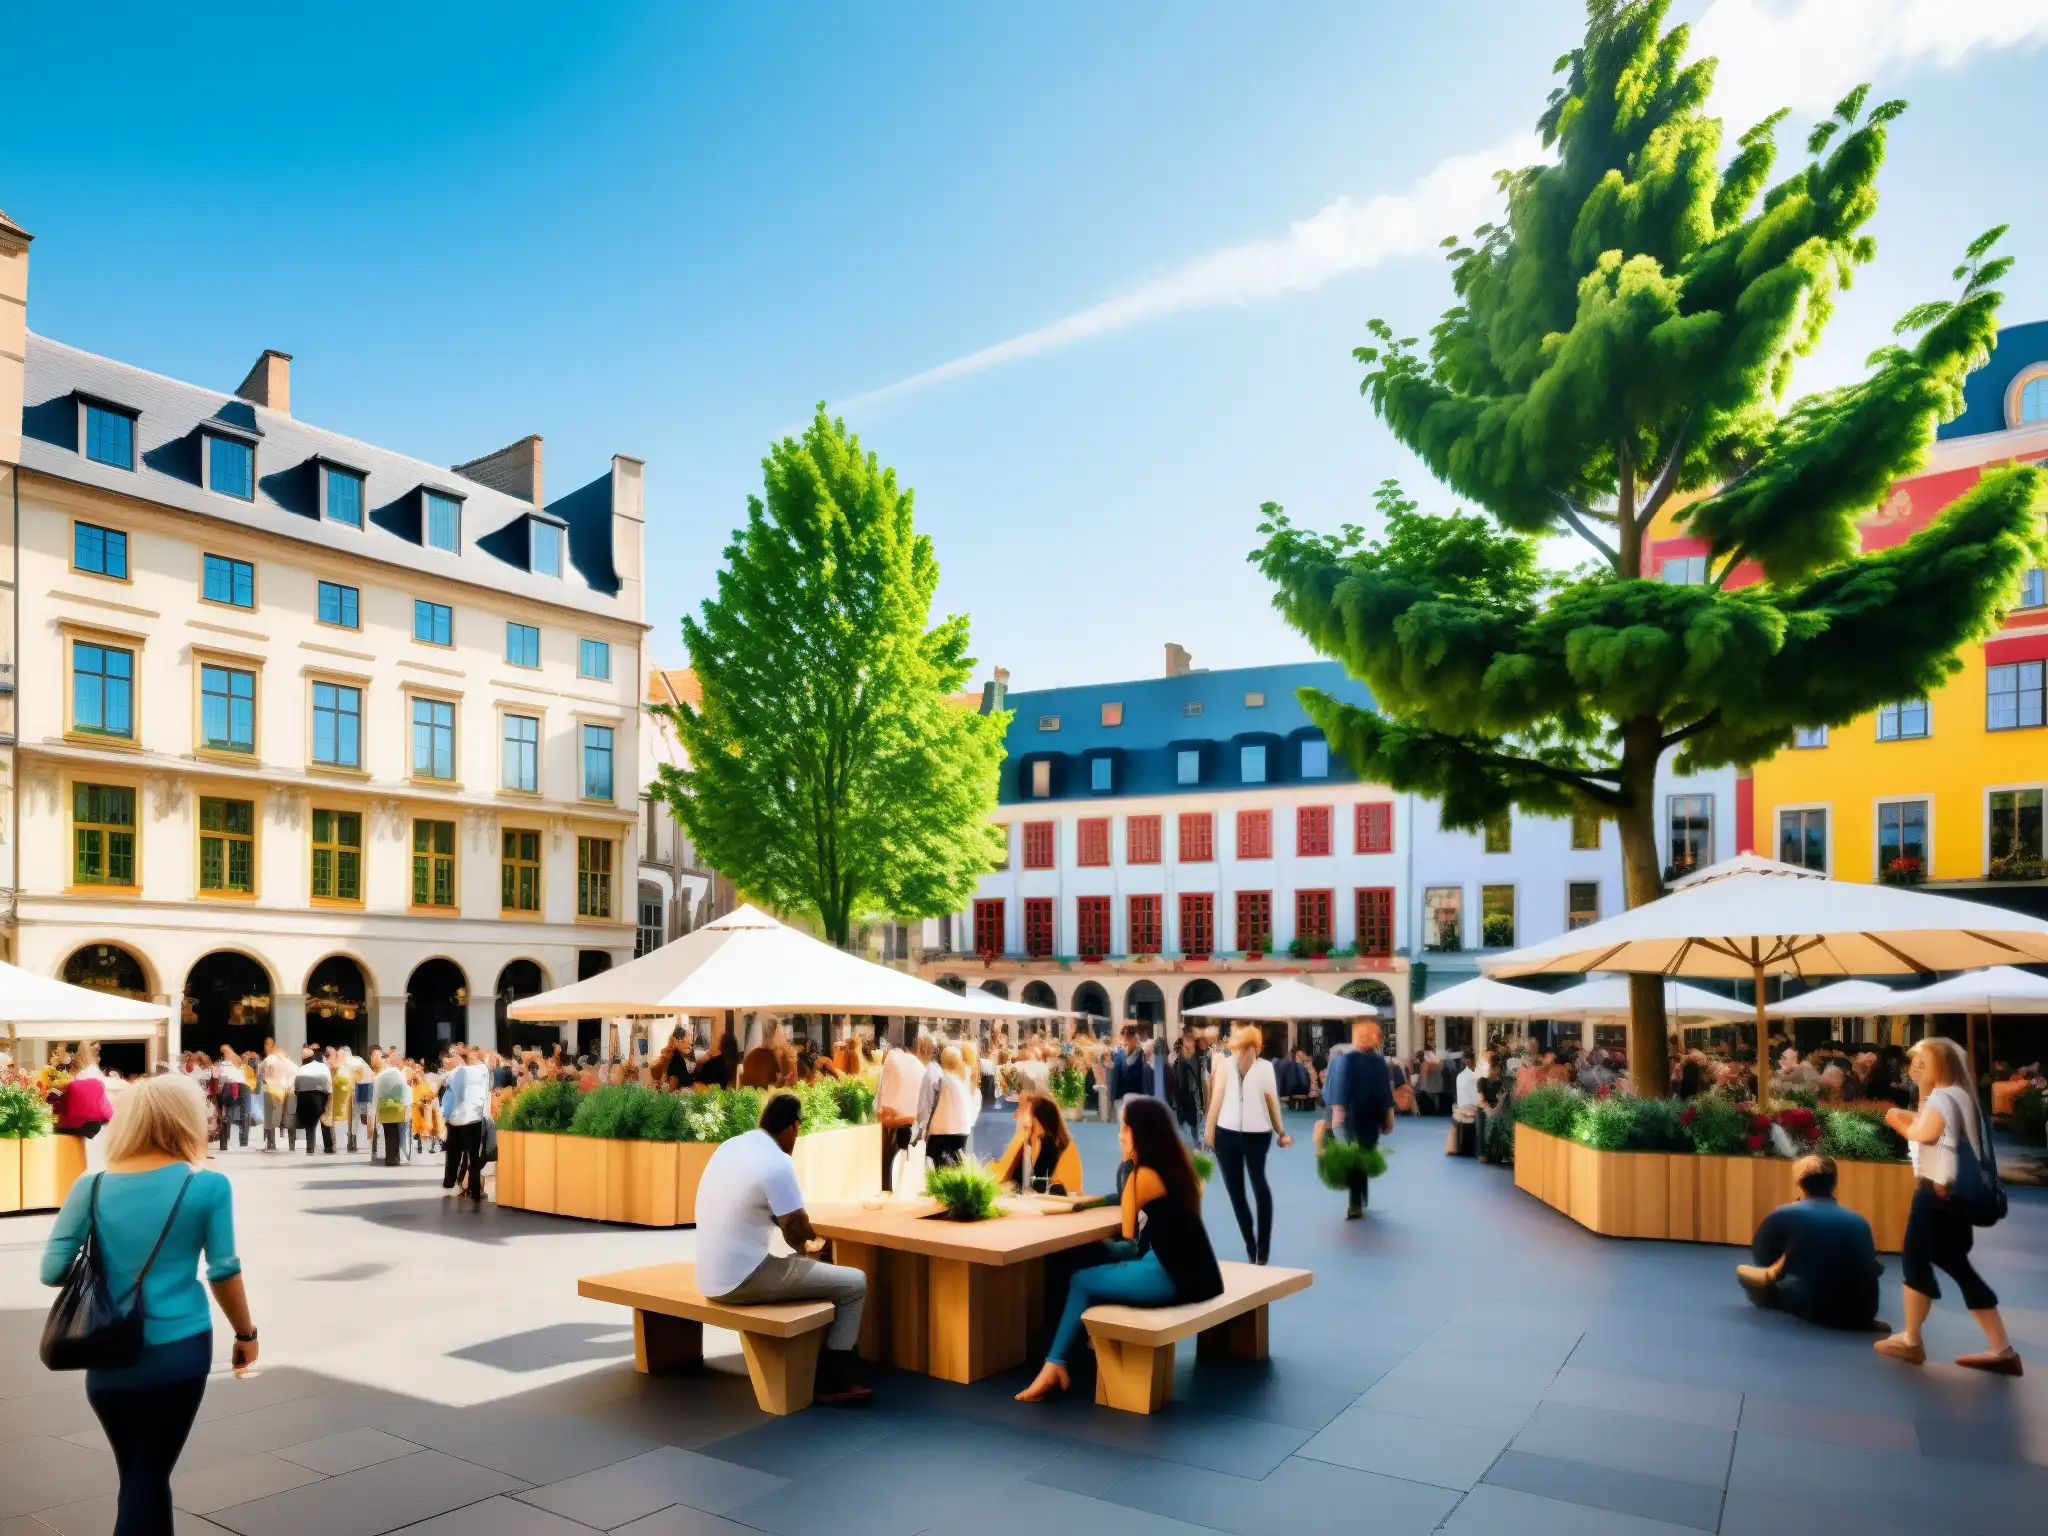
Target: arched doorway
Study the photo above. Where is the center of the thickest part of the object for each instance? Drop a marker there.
(996, 988)
(1255, 985)
(1040, 995)
(522, 979)
(1362, 990)
(1090, 999)
(110, 968)
(338, 1004)
(436, 1009)
(1145, 1004)
(1199, 993)
(227, 1002)
(590, 1032)
(952, 983)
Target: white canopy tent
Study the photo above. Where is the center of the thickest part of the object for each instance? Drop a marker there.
(1842, 1000)
(1484, 999)
(1996, 989)
(1286, 1001)
(36, 1007)
(1607, 998)
(1009, 1008)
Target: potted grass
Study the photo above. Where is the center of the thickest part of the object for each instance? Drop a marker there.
(23, 1119)
(966, 1190)
(1069, 1086)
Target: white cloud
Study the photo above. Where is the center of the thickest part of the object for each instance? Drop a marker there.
(1805, 54)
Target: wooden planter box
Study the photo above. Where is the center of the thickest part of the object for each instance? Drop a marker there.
(38, 1172)
(1686, 1198)
(10, 1175)
(654, 1183)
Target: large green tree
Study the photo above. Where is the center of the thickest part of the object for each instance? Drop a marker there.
(829, 774)
(1624, 336)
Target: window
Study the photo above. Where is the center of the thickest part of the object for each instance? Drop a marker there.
(1254, 920)
(1255, 701)
(1376, 921)
(341, 605)
(1692, 834)
(1902, 840)
(337, 856)
(109, 436)
(1255, 834)
(1803, 838)
(1187, 766)
(1094, 842)
(1112, 714)
(594, 660)
(522, 753)
(2013, 696)
(1582, 903)
(1312, 919)
(433, 863)
(597, 762)
(341, 496)
(1101, 771)
(1585, 831)
(102, 835)
(227, 846)
(1141, 839)
(1041, 780)
(228, 581)
(2015, 824)
(518, 870)
(337, 725)
(1197, 923)
(1038, 927)
(1144, 930)
(432, 623)
(1808, 737)
(988, 926)
(2033, 401)
(2033, 588)
(522, 645)
(1373, 827)
(99, 551)
(647, 936)
(443, 522)
(227, 709)
(1443, 918)
(1497, 916)
(1315, 758)
(1902, 721)
(1685, 570)
(102, 690)
(231, 467)
(1312, 831)
(1092, 926)
(1038, 844)
(592, 877)
(433, 739)
(1191, 708)
(545, 552)
(1197, 837)
(1499, 832)
(1251, 764)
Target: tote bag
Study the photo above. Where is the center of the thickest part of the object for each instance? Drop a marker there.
(1978, 1192)
(87, 1329)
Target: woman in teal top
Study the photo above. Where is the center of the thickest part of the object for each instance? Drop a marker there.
(154, 1189)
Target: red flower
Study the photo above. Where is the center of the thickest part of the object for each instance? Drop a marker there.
(1756, 1143)
(1687, 1115)
(1760, 1122)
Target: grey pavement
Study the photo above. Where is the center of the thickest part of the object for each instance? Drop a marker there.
(1467, 1361)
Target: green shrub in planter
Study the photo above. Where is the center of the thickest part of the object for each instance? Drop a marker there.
(1849, 1137)
(1718, 1126)
(820, 1102)
(739, 1111)
(601, 1113)
(1623, 1124)
(967, 1189)
(1339, 1159)
(856, 1099)
(546, 1107)
(22, 1115)
(1553, 1110)
(1068, 1085)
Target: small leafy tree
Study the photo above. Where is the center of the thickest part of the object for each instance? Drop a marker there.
(1621, 347)
(829, 774)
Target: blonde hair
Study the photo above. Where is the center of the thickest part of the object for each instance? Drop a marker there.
(1247, 1037)
(166, 1114)
(1945, 1059)
(951, 1062)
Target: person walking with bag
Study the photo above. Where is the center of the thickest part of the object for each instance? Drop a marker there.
(1244, 1120)
(1955, 1189)
(136, 1233)
(1361, 1097)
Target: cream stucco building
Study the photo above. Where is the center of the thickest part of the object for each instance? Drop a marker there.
(309, 738)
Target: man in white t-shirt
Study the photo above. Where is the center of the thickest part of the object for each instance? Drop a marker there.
(275, 1079)
(897, 1096)
(748, 1195)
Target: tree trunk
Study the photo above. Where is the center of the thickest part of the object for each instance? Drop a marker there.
(1642, 879)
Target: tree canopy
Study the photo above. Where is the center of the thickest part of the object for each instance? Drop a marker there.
(829, 773)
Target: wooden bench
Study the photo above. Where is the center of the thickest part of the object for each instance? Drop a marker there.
(1134, 1345)
(780, 1342)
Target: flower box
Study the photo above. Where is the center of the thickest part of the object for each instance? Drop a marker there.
(10, 1174)
(45, 1169)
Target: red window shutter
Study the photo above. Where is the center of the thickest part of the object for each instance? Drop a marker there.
(1094, 849)
(1376, 827)
(1197, 923)
(1092, 926)
(1312, 831)
(1255, 834)
(1254, 918)
(1197, 837)
(1312, 914)
(988, 926)
(1376, 920)
(1038, 844)
(1144, 925)
(1141, 839)
(1038, 927)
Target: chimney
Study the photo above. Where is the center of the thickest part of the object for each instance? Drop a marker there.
(514, 470)
(629, 525)
(995, 693)
(269, 383)
(1178, 662)
(14, 242)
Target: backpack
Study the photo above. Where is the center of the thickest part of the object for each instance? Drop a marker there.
(1978, 1191)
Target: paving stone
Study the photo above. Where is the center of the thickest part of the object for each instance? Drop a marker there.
(31, 1486)
(347, 1450)
(681, 1520)
(1709, 1407)
(1628, 1493)
(95, 1517)
(1627, 1442)
(1468, 1398)
(1303, 1495)
(374, 1499)
(1748, 1514)
(1419, 1450)
(1489, 1510)
(655, 1479)
(499, 1516)
(1834, 1425)
(203, 1490)
(1086, 1469)
(1033, 1509)
(1982, 1498)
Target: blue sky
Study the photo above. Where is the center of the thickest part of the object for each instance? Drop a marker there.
(668, 230)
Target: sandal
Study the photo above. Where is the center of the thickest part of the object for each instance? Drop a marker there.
(1999, 1362)
(1899, 1347)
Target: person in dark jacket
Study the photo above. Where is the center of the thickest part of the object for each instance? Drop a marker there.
(1361, 1100)
(1187, 1082)
(1814, 1258)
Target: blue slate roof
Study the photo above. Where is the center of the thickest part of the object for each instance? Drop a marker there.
(2018, 347)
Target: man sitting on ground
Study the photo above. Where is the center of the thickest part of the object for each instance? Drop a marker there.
(1814, 1258)
(747, 1194)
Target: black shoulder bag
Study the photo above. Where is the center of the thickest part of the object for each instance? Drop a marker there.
(87, 1329)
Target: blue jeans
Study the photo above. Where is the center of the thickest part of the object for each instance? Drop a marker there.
(1140, 1282)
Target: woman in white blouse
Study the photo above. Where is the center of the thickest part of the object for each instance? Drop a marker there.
(952, 1121)
(1244, 1119)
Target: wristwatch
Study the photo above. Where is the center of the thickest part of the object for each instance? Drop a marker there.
(246, 1338)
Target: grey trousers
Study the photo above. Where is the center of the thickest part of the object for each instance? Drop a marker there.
(788, 1278)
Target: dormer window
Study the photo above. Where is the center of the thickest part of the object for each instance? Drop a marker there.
(545, 553)
(341, 496)
(441, 526)
(230, 466)
(108, 433)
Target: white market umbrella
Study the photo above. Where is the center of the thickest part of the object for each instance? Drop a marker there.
(1754, 917)
(1007, 1008)
(746, 961)
(1284, 1002)
(1843, 1000)
(1607, 998)
(1992, 991)
(36, 1007)
(1483, 998)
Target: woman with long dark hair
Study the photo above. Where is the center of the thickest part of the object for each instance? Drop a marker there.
(1041, 1155)
(1162, 1214)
